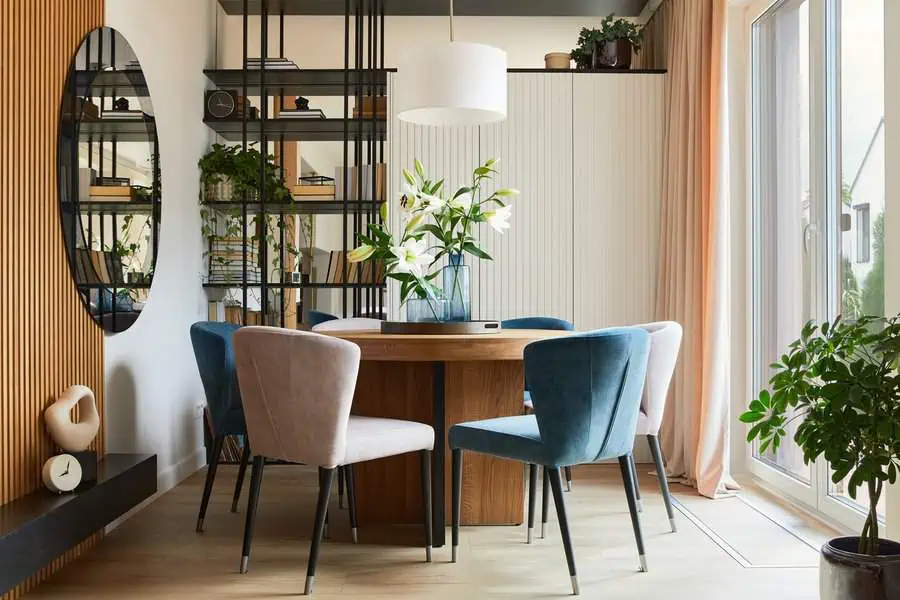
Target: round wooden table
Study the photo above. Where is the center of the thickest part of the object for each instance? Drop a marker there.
(441, 380)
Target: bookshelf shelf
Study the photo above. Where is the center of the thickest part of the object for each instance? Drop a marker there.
(127, 82)
(300, 207)
(302, 82)
(135, 207)
(303, 130)
(120, 130)
(114, 286)
(296, 286)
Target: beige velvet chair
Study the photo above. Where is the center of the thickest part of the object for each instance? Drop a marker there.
(297, 389)
(354, 324)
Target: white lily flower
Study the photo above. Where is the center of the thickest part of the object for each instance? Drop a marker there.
(409, 197)
(462, 202)
(432, 204)
(411, 257)
(499, 218)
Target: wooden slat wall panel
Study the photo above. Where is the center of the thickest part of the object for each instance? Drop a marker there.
(618, 148)
(47, 339)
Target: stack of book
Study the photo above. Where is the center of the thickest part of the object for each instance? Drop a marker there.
(309, 113)
(351, 183)
(272, 64)
(372, 106)
(97, 267)
(123, 115)
(368, 272)
(322, 193)
(226, 261)
(111, 193)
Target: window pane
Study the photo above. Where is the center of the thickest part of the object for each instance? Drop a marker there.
(862, 166)
(783, 289)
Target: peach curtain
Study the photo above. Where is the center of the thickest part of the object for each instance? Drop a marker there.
(687, 37)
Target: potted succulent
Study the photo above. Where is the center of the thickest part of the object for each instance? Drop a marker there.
(841, 381)
(609, 47)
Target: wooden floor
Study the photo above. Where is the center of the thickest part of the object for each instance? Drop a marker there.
(156, 554)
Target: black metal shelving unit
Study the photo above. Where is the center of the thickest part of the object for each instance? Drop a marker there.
(98, 138)
(363, 137)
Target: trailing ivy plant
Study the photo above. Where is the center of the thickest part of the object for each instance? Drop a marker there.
(611, 29)
(242, 168)
(840, 381)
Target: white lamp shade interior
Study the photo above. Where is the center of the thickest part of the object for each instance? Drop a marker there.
(452, 83)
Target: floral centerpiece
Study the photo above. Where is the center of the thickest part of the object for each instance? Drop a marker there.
(436, 225)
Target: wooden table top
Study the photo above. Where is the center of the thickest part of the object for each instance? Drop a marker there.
(508, 344)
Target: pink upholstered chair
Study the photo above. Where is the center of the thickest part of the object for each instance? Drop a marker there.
(297, 389)
(665, 343)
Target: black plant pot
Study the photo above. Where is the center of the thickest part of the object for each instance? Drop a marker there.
(846, 575)
(612, 55)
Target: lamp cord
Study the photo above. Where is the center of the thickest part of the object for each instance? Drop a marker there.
(451, 20)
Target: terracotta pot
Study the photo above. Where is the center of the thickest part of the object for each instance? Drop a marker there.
(846, 575)
(612, 55)
(557, 60)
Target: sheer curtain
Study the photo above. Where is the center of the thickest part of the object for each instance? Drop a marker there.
(687, 37)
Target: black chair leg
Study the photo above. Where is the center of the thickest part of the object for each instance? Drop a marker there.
(457, 498)
(656, 451)
(326, 477)
(321, 483)
(637, 483)
(341, 474)
(545, 501)
(627, 479)
(532, 497)
(218, 441)
(252, 505)
(568, 471)
(556, 485)
(242, 471)
(351, 501)
(426, 497)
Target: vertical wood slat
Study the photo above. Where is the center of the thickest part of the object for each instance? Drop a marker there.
(47, 339)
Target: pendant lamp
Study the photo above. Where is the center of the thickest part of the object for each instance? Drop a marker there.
(452, 83)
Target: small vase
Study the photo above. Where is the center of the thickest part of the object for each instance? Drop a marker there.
(456, 289)
(426, 310)
(612, 55)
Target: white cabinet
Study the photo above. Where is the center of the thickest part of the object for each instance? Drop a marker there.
(584, 149)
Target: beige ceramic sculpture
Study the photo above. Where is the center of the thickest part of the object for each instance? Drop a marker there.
(73, 437)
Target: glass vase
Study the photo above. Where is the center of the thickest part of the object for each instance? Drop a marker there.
(456, 289)
(427, 310)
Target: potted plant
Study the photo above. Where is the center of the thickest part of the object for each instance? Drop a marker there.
(450, 220)
(841, 381)
(609, 47)
(227, 173)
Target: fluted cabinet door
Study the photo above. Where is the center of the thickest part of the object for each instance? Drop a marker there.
(446, 152)
(532, 270)
(618, 140)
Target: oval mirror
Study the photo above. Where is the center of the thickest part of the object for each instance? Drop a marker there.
(109, 179)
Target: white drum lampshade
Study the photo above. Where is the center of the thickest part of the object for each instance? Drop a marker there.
(454, 83)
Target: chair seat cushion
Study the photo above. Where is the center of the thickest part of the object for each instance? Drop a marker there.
(369, 438)
(517, 438)
(643, 424)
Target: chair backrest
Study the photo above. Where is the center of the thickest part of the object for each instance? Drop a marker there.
(314, 317)
(665, 343)
(586, 390)
(354, 324)
(297, 389)
(214, 351)
(538, 323)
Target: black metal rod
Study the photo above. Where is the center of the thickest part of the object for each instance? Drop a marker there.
(263, 159)
(358, 141)
(440, 445)
(371, 145)
(345, 187)
(115, 156)
(245, 113)
(281, 219)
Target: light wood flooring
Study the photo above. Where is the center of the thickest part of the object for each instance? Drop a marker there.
(156, 553)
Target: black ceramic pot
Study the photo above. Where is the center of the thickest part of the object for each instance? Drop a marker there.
(846, 575)
(612, 55)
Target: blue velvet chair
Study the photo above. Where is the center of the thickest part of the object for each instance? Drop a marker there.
(214, 352)
(314, 317)
(550, 323)
(586, 390)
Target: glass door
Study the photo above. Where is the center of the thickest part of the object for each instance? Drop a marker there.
(817, 115)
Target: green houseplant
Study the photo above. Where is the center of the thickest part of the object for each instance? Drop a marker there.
(840, 381)
(239, 171)
(609, 47)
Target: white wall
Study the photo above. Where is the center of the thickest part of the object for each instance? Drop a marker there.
(153, 388)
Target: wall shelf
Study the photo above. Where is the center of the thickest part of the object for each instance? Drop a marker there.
(123, 130)
(302, 82)
(300, 207)
(127, 82)
(297, 130)
(433, 8)
(134, 207)
(114, 286)
(296, 286)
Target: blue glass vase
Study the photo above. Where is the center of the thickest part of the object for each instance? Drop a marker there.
(426, 310)
(456, 289)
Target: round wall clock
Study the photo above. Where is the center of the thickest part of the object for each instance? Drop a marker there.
(220, 104)
(62, 473)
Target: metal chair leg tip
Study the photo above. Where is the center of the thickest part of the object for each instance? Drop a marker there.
(325, 532)
(640, 505)
(454, 553)
(672, 525)
(354, 533)
(568, 485)
(643, 563)
(341, 501)
(427, 553)
(543, 530)
(234, 507)
(309, 585)
(245, 564)
(530, 534)
(576, 589)
(200, 525)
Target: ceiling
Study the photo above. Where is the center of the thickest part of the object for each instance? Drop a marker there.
(492, 8)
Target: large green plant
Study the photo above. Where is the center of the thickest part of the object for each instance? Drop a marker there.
(840, 381)
(611, 29)
(242, 168)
